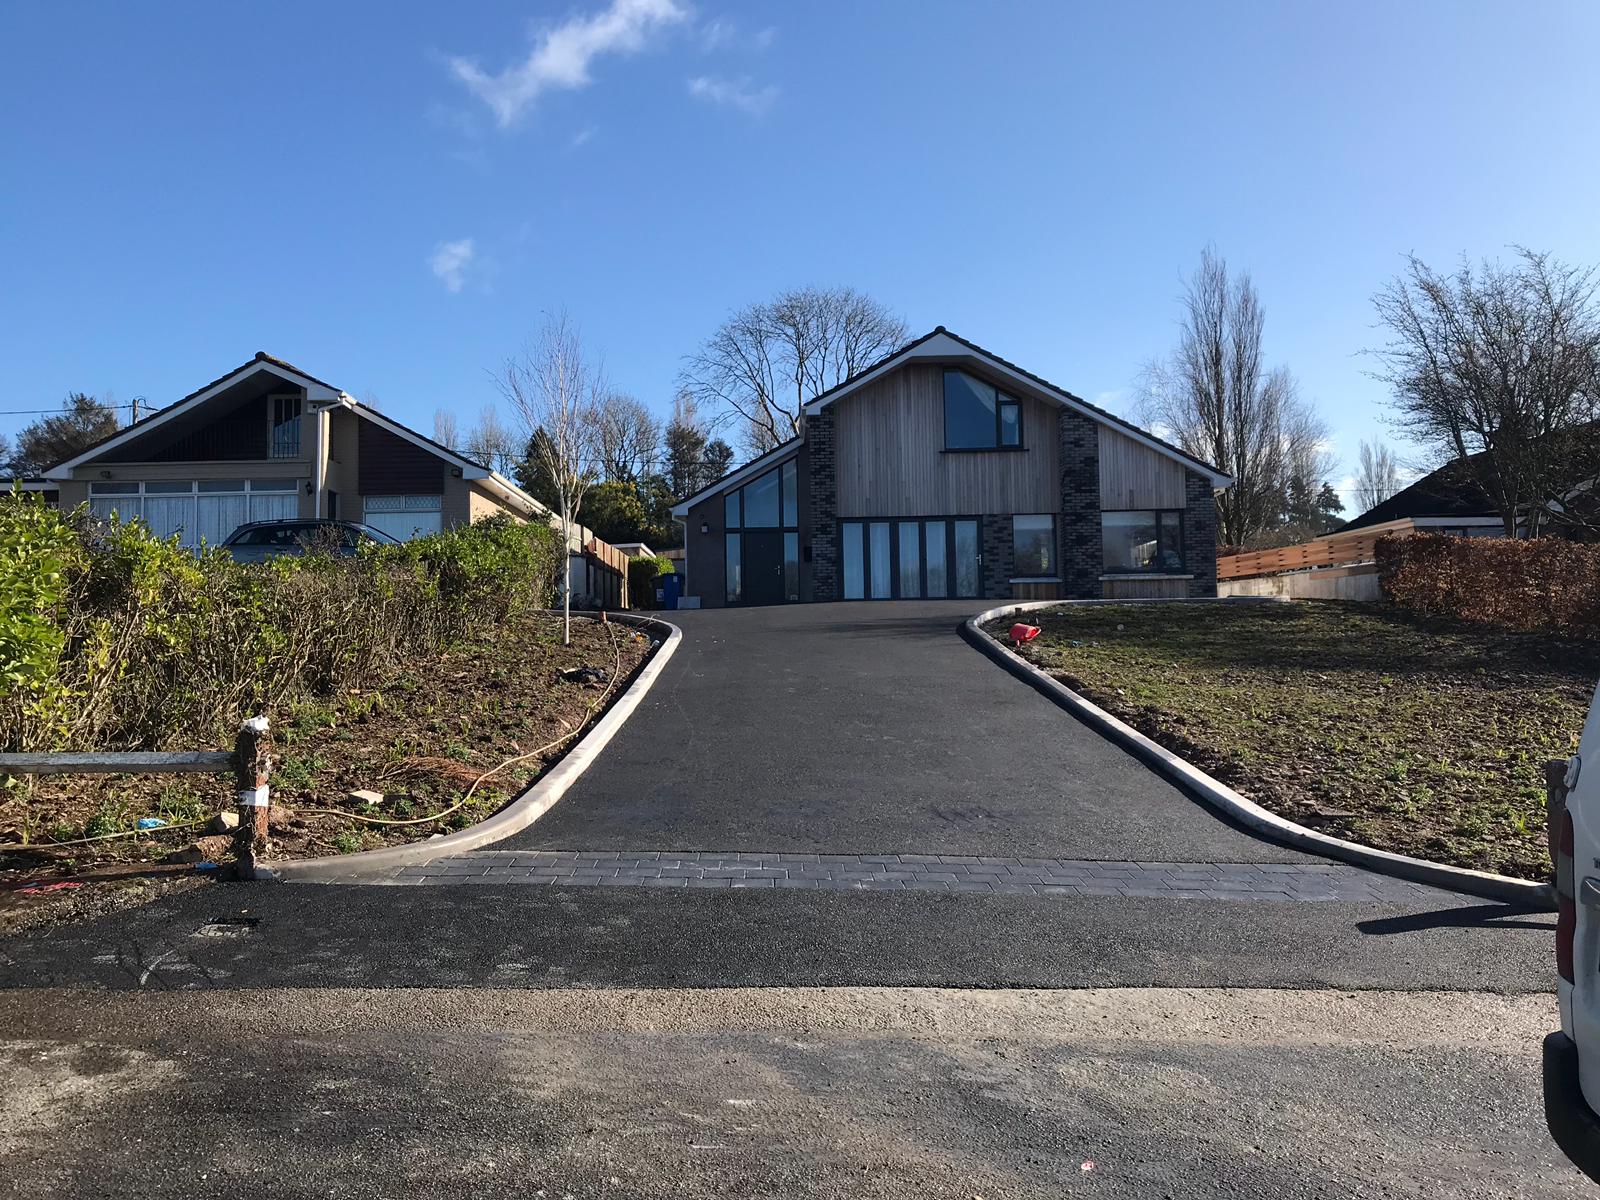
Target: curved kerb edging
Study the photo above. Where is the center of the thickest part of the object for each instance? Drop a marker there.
(521, 812)
(1223, 798)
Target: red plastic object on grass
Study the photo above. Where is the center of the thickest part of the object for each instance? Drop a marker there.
(1023, 633)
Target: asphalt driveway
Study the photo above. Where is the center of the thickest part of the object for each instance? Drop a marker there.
(870, 727)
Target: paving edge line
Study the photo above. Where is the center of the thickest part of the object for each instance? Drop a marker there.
(1223, 798)
(521, 812)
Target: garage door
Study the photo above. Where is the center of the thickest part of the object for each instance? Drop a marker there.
(403, 517)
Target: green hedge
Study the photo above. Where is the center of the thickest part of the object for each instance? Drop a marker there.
(642, 576)
(111, 638)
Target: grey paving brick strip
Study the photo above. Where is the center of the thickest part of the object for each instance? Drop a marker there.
(915, 872)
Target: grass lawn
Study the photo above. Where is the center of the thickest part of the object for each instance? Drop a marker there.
(1419, 736)
(422, 740)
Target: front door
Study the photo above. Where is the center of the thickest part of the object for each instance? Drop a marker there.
(763, 566)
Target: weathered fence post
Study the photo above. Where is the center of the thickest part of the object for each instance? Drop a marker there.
(252, 765)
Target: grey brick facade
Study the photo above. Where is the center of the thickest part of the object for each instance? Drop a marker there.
(1079, 526)
(997, 556)
(822, 487)
(1200, 534)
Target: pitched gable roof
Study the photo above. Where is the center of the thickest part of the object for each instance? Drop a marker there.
(315, 388)
(1451, 491)
(941, 344)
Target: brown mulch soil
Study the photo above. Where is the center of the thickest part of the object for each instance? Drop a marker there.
(421, 740)
(1425, 737)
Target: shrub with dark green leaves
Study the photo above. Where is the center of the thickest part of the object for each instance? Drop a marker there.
(643, 573)
(111, 638)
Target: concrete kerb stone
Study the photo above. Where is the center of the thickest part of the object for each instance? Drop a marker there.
(526, 808)
(1224, 799)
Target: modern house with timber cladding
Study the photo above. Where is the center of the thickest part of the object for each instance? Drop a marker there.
(270, 442)
(944, 471)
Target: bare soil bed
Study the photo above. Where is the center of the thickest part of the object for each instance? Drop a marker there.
(1425, 737)
(445, 744)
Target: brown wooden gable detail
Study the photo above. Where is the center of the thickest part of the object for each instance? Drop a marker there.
(388, 465)
(229, 433)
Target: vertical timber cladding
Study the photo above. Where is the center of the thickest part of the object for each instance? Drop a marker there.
(387, 465)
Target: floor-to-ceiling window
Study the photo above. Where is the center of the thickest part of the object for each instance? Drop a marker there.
(196, 512)
(762, 540)
(910, 559)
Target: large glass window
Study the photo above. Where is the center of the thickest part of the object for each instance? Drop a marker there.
(1033, 544)
(854, 562)
(1142, 541)
(911, 558)
(285, 441)
(878, 537)
(791, 497)
(938, 577)
(791, 567)
(761, 502)
(205, 511)
(735, 570)
(977, 416)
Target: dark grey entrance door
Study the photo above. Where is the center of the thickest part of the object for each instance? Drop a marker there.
(763, 566)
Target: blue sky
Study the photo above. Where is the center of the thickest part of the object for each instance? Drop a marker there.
(389, 195)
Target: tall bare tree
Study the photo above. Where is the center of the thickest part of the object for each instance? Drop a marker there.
(1218, 400)
(446, 429)
(1377, 474)
(629, 438)
(767, 360)
(1498, 367)
(555, 391)
(491, 441)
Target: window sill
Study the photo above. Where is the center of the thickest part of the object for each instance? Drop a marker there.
(1036, 579)
(984, 450)
(1146, 575)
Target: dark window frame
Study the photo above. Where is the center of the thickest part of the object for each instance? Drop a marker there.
(1158, 513)
(952, 592)
(1055, 546)
(1002, 401)
(736, 494)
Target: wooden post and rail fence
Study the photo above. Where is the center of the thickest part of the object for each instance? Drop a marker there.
(249, 762)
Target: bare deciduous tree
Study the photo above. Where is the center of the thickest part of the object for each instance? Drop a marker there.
(629, 438)
(1498, 367)
(767, 360)
(491, 441)
(1216, 398)
(1377, 474)
(446, 430)
(555, 392)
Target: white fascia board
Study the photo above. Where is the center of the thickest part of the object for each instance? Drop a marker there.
(944, 347)
(772, 458)
(312, 388)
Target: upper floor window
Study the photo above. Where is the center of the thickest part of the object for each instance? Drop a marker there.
(977, 416)
(1142, 541)
(284, 441)
(769, 501)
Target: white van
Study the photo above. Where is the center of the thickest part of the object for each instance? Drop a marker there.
(1572, 1056)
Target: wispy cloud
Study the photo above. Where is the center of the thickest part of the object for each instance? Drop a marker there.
(582, 136)
(449, 263)
(561, 56)
(736, 93)
(719, 33)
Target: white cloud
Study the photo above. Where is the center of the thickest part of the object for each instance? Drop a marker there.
(561, 56)
(582, 136)
(449, 263)
(722, 34)
(738, 93)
